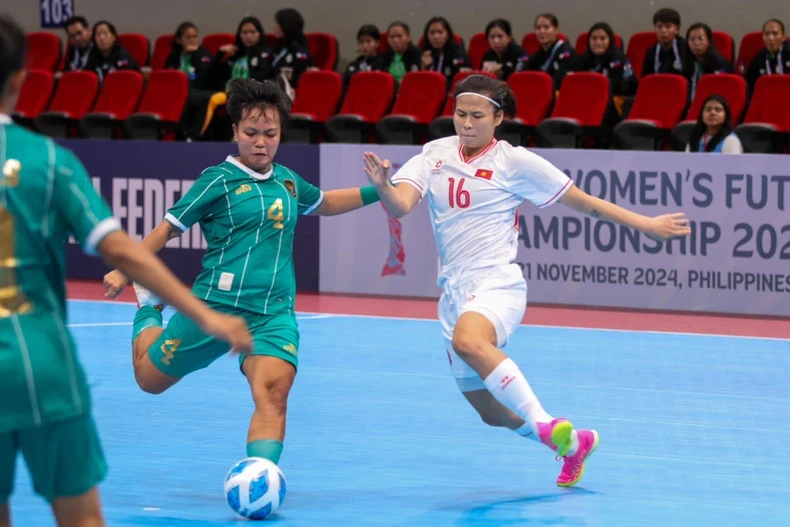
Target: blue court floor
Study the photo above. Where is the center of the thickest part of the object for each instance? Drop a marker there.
(694, 431)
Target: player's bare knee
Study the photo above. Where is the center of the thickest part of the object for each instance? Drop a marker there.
(468, 346)
(271, 395)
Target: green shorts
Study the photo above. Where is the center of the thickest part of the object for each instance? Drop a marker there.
(183, 347)
(65, 458)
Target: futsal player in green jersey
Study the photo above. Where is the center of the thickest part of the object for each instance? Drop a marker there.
(45, 404)
(248, 207)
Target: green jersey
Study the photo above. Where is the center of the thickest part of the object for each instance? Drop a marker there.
(45, 196)
(248, 220)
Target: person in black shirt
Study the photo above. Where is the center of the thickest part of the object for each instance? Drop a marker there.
(368, 40)
(80, 44)
(671, 54)
(604, 57)
(705, 57)
(441, 52)
(403, 56)
(291, 56)
(107, 54)
(774, 58)
(555, 56)
(505, 56)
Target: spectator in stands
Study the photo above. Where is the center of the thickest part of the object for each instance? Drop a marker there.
(441, 52)
(107, 54)
(291, 56)
(671, 53)
(80, 44)
(774, 59)
(369, 59)
(604, 57)
(713, 131)
(249, 57)
(705, 57)
(403, 56)
(505, 56)
(555, 56)
(194, 60)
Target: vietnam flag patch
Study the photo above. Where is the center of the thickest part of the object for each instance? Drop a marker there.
(484, 174)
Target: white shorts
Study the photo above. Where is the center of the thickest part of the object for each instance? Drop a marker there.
(499, 294)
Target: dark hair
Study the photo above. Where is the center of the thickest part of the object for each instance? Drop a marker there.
(502, 24)
(292, 24)
(498, 90)
(707, 57)
(398, 23)
(180, 30)
(248, 94)
(76, 20)
(109, 25)
(666, 16)
(608, 30)
(12, 49)
(369, 30)
(255, 22)
(775, 20)
(450, 45)
(700, 128)
(553, 20)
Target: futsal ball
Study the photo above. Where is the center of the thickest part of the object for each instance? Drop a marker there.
(255, 488)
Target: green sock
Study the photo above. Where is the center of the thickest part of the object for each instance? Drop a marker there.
(270, 449)
(146, 317)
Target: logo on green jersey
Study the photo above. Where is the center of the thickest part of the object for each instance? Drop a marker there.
(290, 348)
(11, 170)
(291, 186)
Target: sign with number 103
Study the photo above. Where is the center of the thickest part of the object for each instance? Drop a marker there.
(54, 13)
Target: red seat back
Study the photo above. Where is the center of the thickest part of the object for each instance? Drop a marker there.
(137, 45)
(662, 98)
(76, 93)
(370, 95)
(638, 45)
(120, 93)
(43, 51)
(421, 95)
(584, 96)
(36, 93)
(534, 91)
(725, 44)
(212, 42)
(162, 48)
(478, 47)
(318, 94)
(769, 101)
(165, 94)
(732, 87)
(323, 48)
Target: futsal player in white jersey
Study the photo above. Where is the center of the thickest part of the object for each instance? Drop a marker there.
(474, 184)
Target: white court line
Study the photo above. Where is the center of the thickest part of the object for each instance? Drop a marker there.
(656, 332)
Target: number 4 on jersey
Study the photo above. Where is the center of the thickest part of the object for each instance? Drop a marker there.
(458, 196)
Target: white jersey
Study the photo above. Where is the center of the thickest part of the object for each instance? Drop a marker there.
(473, 202)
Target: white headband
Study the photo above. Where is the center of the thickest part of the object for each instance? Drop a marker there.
(482, 96)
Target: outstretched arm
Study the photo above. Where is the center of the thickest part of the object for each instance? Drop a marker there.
(399, 200)
(660, 227)
(345, 200)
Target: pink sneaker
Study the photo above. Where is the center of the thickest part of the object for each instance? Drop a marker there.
(557, 435)
(573, 469)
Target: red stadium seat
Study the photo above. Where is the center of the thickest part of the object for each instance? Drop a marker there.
(162, 48)
(212, 42)
(43, 51)
(638, 45)
(74, 97)
(581, 42)
(119, 97)
(317, 98)
(534, 91)
(137, 45)
(660, 103)
(531, 45)
(768, 115)
(323, 48)
(368, 99)
(478, 47)
(161, 107)
(730, 86)
(751, 44)
(725, 44)
(34, 97)
(578, 112)
(420, 98)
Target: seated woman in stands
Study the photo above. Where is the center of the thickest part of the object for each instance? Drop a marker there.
(713, 131)
(291, 56)
(705, 57)
(369, 59)
(403, 56)
(505, 56)
(107, 54)
(774, 58)
(441, 52)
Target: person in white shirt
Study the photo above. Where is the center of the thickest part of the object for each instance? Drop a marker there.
(474, 186)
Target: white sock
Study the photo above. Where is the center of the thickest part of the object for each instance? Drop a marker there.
(508, 386)
(574, 443)
(526, 432)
